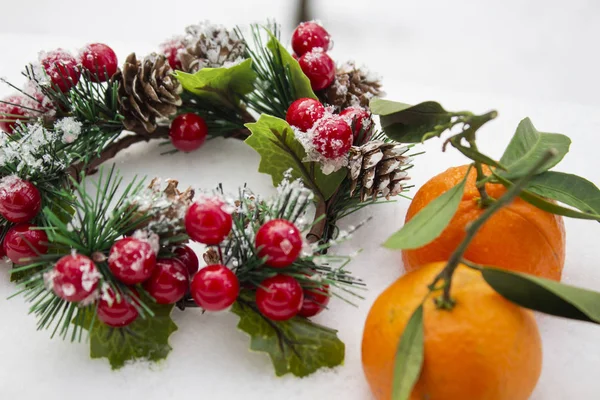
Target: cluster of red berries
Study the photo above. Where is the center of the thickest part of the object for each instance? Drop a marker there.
(20, 202)
(310, 42)
(132, 261)
(64, 70)
(278, 242)
(332, 135)
(188, 132)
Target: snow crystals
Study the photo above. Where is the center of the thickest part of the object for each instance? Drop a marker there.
(70, 129)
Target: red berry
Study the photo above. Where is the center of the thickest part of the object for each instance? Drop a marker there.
(188, 132)
(279, 298)
(207, 222)
(74, 278)
(169, 281)
(310, 35)
(215, 287)
(315, 301)
(23, 242)
(20, 200)
(100, 60)
(360, 120)
(131, 260)
(62, 69)
(303, 113)
(319, 68)
(188, 257)
(11, 113)
(279, 241)
(332, 137)
(116, 312)
(171, 50)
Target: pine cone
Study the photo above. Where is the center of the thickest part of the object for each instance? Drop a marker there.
(378, 168)
(147, 91)
(210, 46)
(352, 87)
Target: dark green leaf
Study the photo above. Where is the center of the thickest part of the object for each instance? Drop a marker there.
(407, 123)
(544, 295)
(219, 85)
(569, 189)
(296, 346)
(300, 82)
(276, 143)
(409, 357)
(528, 146)
(547, 205)
(430, 222)
(144, 339)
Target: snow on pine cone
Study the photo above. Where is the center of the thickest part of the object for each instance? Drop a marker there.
(147, 91)
(211, 46)
(378, 168)
(352, 87)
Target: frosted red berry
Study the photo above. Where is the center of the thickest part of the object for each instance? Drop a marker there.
(100, 60)
(20, 200)
(23, 243)
(360, 120)
(131, 260)
(333, 137)
(169, 281)
(279, 241)
(279, 298)
(215, 287)
(188, 132)
(11, 113)
(171, 50)
(74, 278)
(116, 311)
(188, 257)
(319, 68)
(303, 113)
(315, 301)
(308, 36)
(62, 69)
(207, 221)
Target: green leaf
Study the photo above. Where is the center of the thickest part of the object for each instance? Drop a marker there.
(276, 143)
(569, 189)
(299, 81)
(220, 85)
(407, 123)
(545, 295)
(477, 156)
(409, 357)
(144, 339)
(430, 222)
(528, 146)
(547, 205)
(297, 346)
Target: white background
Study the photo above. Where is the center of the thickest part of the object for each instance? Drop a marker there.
(523, 58)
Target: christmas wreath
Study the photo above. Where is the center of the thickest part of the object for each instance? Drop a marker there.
(110, 258)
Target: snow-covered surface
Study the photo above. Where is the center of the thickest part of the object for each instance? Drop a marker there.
(524, 58)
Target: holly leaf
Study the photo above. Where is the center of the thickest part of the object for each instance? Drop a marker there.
(545, 295)
(528, 146)
(430, 222)
(407, 123)
(297, 346)
(220, 85)
(299, 82)
(569, 189)
(146, 339)
(280, 152)
(409, 357)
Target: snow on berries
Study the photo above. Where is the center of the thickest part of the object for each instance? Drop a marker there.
(61, 68)
(308, 36)
(208, 221)
(169, 281)
(20, 200)
(304, 112)
(132, 260)
(116, 309)
(279, 242)
(74, 278)
(100, 60)
(318, 67)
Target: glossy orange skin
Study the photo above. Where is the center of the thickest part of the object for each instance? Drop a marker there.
(485, 348)
(519, 237)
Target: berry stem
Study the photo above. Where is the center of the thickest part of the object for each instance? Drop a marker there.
(446, 301)
(485, 199)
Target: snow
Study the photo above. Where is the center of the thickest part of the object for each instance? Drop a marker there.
(528, 58)
(69, 127)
